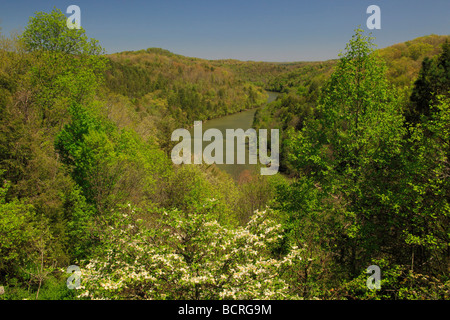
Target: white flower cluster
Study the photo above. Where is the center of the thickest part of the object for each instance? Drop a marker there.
(190, 257)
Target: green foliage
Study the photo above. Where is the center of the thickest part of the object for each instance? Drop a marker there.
(188, 256)
(25, 246)
(397, 282)
(42, 84)
(289, 110)
(426, 231)
(54, 288)
(367, 187)
(17, 231)
(49, 32)
(255, 192)
(404, 59)
(193, 89)
(65, 65)
(344, 156)
(433, 80)
(304, 79)
(81, 225)
(109, 165)
(84, 141)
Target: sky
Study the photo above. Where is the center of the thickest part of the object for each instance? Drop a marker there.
(257, 30)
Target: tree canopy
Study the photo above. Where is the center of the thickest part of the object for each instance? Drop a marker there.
(49, 32)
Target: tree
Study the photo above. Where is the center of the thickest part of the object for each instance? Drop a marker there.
(427, 192)
(49, 32)
(188, 256)
(349, 154)
(433, 80)
(67, 66)
(46, 71)
(109, 165)
(17, 232)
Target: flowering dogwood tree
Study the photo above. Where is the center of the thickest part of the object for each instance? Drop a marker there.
(189, 256)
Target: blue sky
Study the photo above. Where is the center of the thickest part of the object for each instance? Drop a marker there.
(259, 30)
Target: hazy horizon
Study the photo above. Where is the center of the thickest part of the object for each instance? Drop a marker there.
(280, 62)
(267, 31)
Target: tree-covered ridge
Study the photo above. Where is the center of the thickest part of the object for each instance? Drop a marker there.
(302, 86)
(156, 91)
(259, 72)
(404, 60)
(75, 156)
(194, 89)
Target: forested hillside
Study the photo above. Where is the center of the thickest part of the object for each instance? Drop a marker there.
(168, 91)
(194, 89)
(260, 73)
(84, 142)
(301, 87)
(86, 178)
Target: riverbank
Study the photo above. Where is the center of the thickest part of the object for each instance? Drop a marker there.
(272, 96)
(241, 120)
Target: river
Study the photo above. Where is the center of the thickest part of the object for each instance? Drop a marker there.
(242, 120)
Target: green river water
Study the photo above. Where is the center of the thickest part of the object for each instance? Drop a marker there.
(242, 120)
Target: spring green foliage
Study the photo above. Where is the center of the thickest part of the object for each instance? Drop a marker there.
(404, 60)
(49, 32)
(368, 188)
(98, 156)
(194, 89)
(86, 177)
(399, 282)
(264, 74)
(76, 150)
(354, 139)
(426, 231)
(433, 80)
(301, 86)
(65, 65)
(17, 232)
